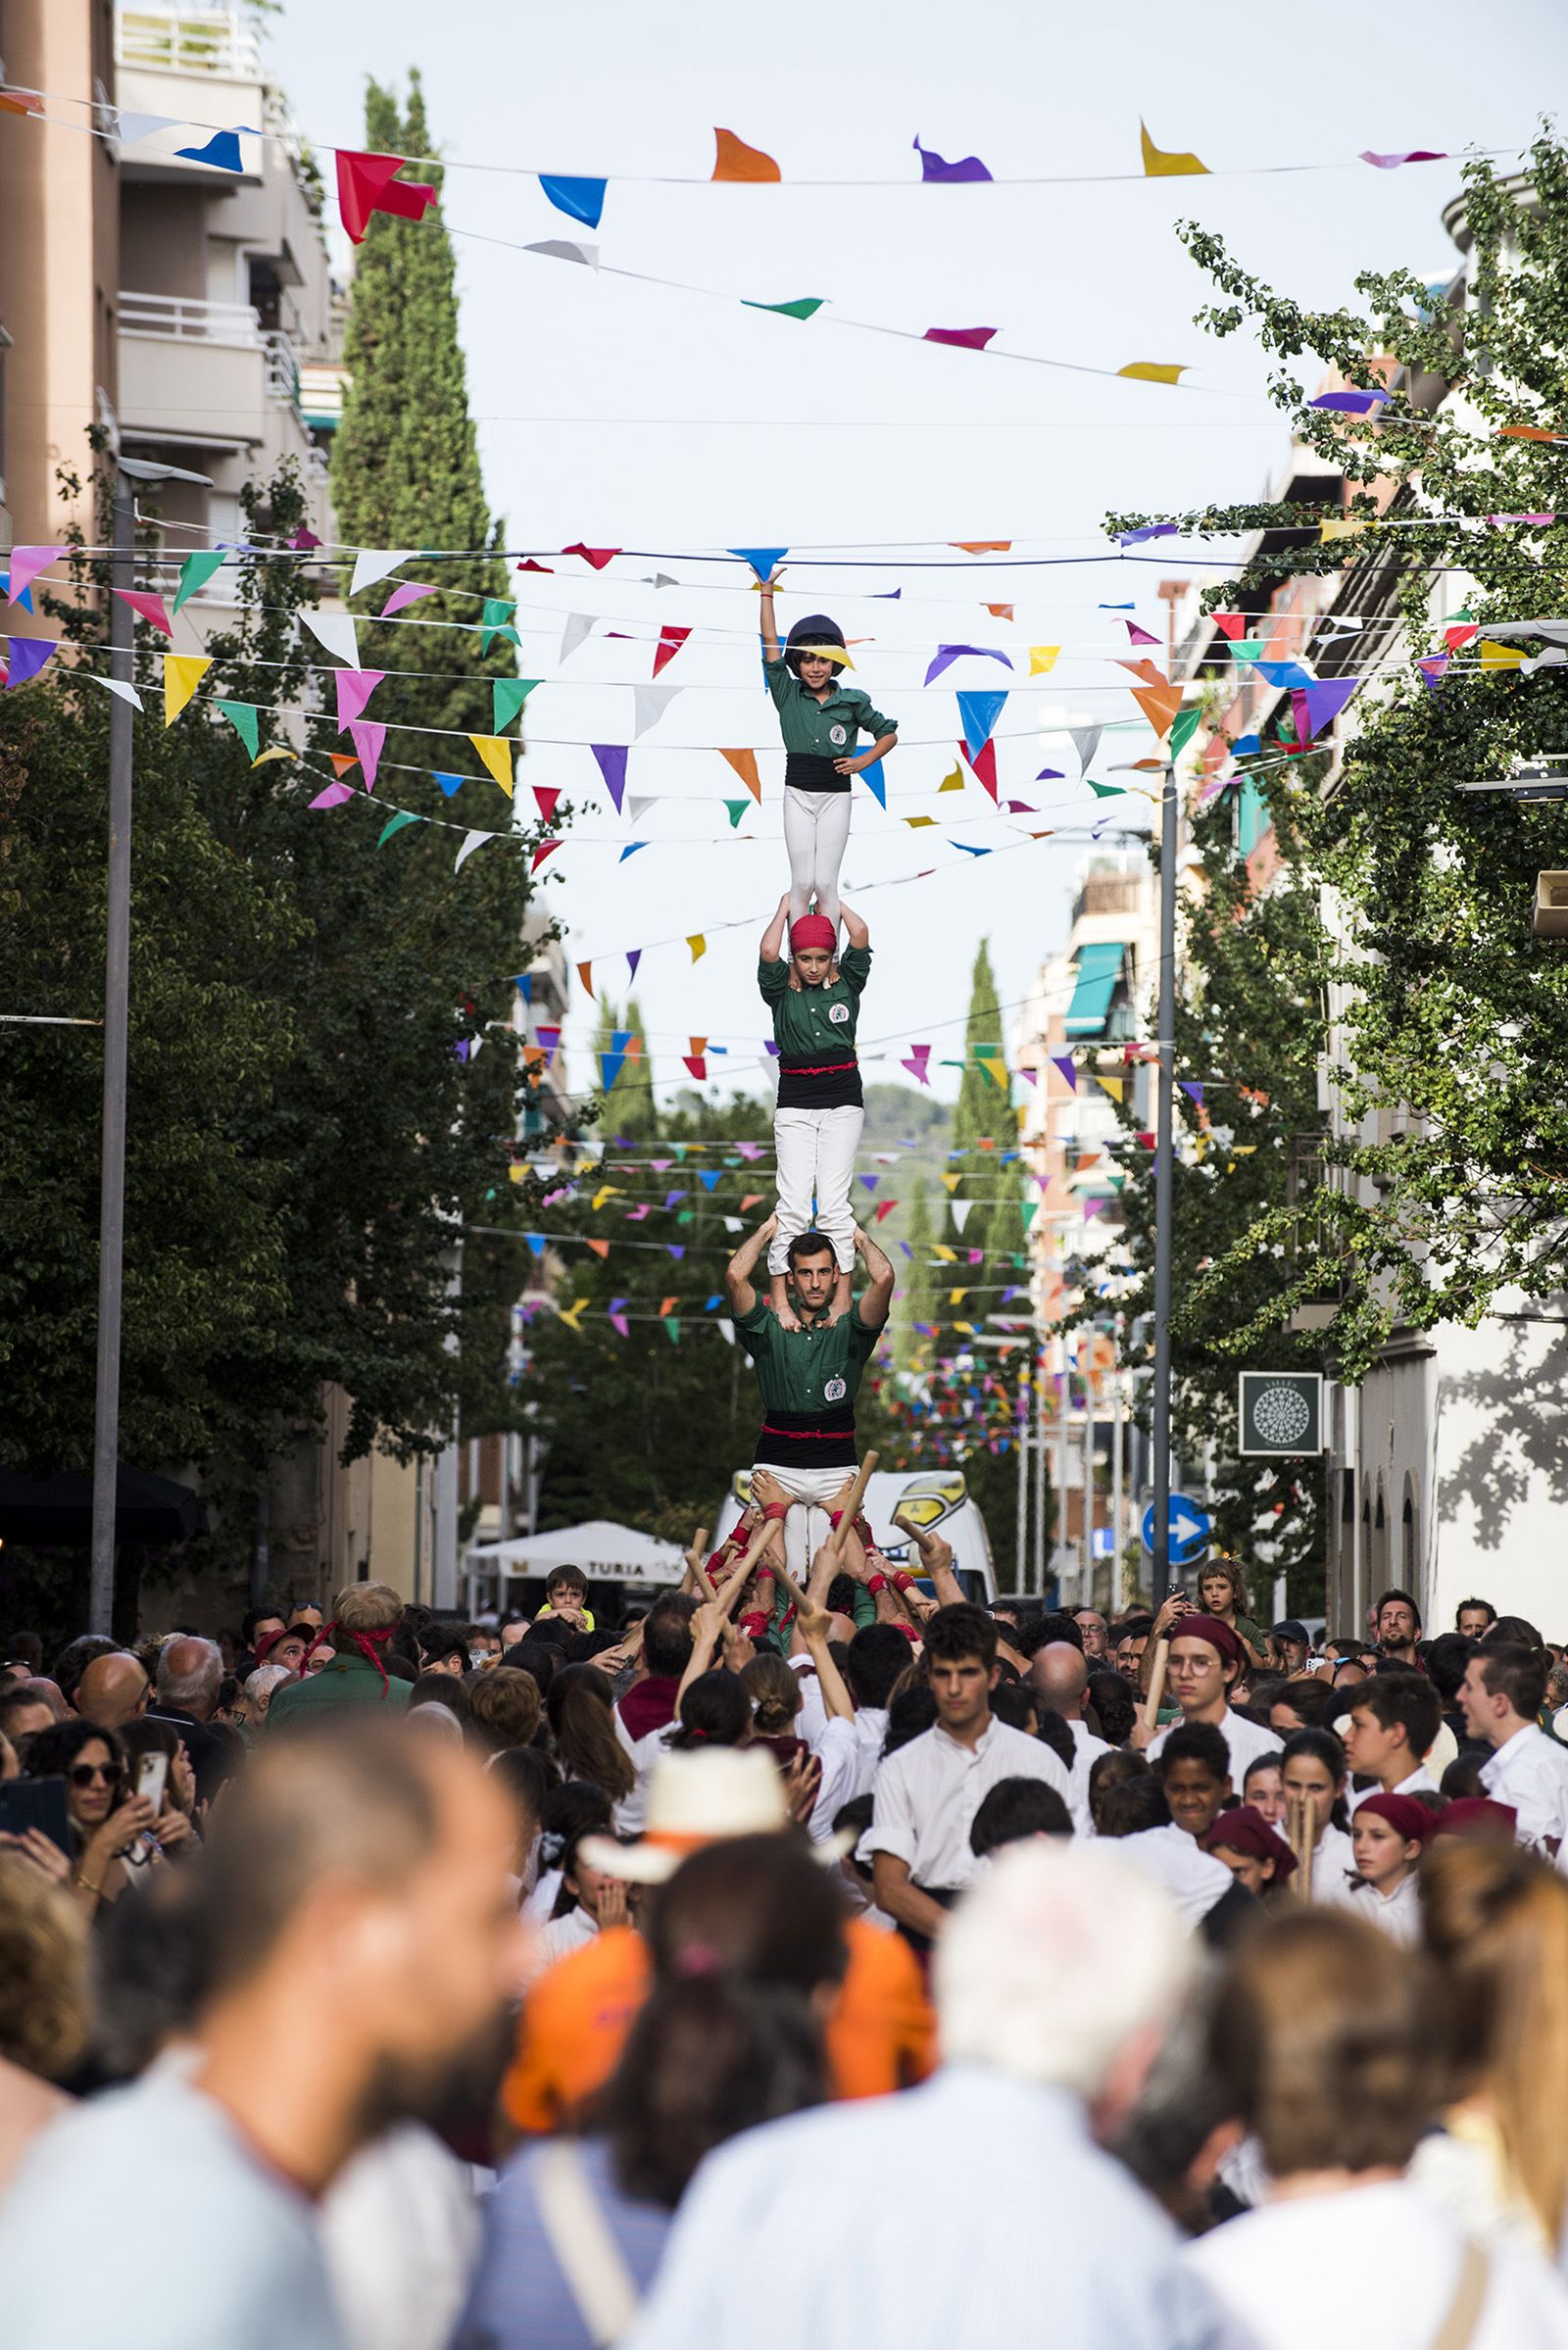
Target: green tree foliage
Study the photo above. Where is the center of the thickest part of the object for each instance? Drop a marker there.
(1456, 1026)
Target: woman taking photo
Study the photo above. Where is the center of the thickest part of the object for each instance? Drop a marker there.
(111, 1825)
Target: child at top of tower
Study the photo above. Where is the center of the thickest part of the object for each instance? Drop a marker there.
(819, 717)
(815, 1002)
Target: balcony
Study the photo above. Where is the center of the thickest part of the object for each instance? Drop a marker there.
(220, 42)
(202, 372)
(160, 56)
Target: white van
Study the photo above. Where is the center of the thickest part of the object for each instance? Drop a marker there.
(931, 1497)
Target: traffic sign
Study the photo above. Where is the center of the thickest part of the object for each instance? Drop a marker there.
(1189, 1528)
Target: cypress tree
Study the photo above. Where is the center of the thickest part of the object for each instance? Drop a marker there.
(911, 1350)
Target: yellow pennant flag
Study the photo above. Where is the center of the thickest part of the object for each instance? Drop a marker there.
(949, 1257)
(952, 1182)
(957, 1297)
(921, 823)
(496, 752)
(1160, 163)
(1043, 660)
(1149, 371)
(994, 1067)
(1500, 657)
(966, 1328)
(572, 1315)
(277, 751)
(605, 1191)
(698, 944)
(1350, 528)
(1115, 1085)
(953, 782)
(1243, 1149)
(182, 675)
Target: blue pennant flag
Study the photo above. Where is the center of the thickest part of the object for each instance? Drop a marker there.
(762, 559)
(977, 716)
(579, 199)
(221, 151)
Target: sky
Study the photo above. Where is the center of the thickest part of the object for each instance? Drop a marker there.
(679, 423)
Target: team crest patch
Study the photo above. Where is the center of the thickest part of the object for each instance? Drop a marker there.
(837, 734)
(838, 1013)
(834, 1391)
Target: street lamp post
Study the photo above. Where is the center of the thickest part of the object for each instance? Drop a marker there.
(116, 1005)
(1164, 1188)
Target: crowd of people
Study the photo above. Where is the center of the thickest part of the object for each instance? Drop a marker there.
(776, 1962)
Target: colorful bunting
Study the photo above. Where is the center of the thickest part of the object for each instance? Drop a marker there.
(919, 1063)
(1392, 162)
(630, 849)
(962, 338)
(334, 796)
(398, 824)
(579, 199)
(1137, 635)
(765, 561)
(367, 184)
(1068, 1067)
(335, 631)
(977, 716)
(984, 764)
(807, 308)
(612, 758)
(698, 944)
(946, 654)
(936, 167)
(1167, 164)
(596, 556)
(736, 809)
(734, 160)
(1350, 404)
(369, 740)
(24, 566)
(1157, 698)
(242, 717)
(648, 705)
(1043, 660)
(353, 690)
(1149, 371)
(1149, 531)
(194, 573)
(579, 627)
(743, 764)
(507, 698)
(1183, 728)
(221, 151)
(147, 607)
(406, 591)
(496, 620)
(875, 780)
(495, 752)
(671, 641)
(450, 785)
(471, 840)
(182, 675)
(120, 687)
(28, 655)
(372, 565)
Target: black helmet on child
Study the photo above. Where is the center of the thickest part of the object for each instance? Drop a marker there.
(811, 635)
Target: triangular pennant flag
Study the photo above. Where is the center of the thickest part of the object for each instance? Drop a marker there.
(547, 796)
(762, 559)
(1068, 1067)
(671, 641)
(194, 573)
(149, 606)
(353, 690)
(1183, 727)
(874, 778)
(579, 626)
(507, 698)
(736, 809)
(221, 151)
(406, 591)
(805, 307)
(131, 127)
(368, 738)
(470, 842)
(495, 752)
(1193, 1089)
(630, 849)
(1152, 371)
(1043, 660)
(1157, 698)
(612, 758)
(648, 705)
(734, 160)
(984, 764)
(334, 631)
(598, 558)
(1086, 742)
(27, 656)
(572, 1315)
(585, 973)
(993, 1067)
(960, 1211)
(120, 687)
(182, 675)
(946, 654)
(341, 762)
(977, 716)
(919, 1063)
(1137, 635)
(242, 717)
(950, 782)
(1116, 1087)
(743, 764)
(936, 167)
(372, 565)
(450, 785)
(334, 796)
(399, 823)
(1321, 705)
(698, 944)
(544, 850)
(1160, 164)
(601, 1249)
(367, 184)
(961, 339)
(634, 957)
(579, 199)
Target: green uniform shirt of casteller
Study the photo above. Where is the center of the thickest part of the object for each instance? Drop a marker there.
(807, 724)
(796, 1369)
(803, 1026)
(347, 1682)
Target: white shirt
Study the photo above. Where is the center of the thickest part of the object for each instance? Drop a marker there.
(1398, 1913)
(251, 2266)
(1419, 1783)
(1004, 2151)
(399, 2229)
(1399, 2257)
(929, 1792)
(1247, 1741)
(1333, 1861)
(1193, 1879)
(1531, 1772)
(1087, 1750)
(633, 1810)
(558, 1939)
(849, 1753)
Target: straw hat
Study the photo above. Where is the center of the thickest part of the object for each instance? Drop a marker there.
(702, 1799)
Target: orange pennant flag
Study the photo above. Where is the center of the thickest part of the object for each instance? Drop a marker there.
(699, 1047)
(999, 612)
(753, 1199)
(982, 546)
(599, 1247)
(743, 764)
(734, 160)
(585, 972)
(1159, 700)
(342, 761)
(668, 1306)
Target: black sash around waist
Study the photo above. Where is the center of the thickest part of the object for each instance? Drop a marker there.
(809, 771)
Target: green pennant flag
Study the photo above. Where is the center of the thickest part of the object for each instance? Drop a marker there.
(508, 696)
(687, 1216)
(1027, 1211)
(672, 1325)
(803, 309)
(405, 817)
(1183, 727)
(1109, 790)
(194, 573)
(241, 715)
(737, 809)
(497, 621)
(1247, 648)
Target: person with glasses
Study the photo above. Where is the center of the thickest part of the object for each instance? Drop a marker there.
(107, 1822)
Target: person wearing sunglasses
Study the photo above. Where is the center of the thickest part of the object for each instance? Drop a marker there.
(107, 1819)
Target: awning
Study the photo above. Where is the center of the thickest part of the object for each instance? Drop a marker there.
(1094, 975)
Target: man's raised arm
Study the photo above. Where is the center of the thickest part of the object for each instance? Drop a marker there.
(738, 1272)
(878, 1295)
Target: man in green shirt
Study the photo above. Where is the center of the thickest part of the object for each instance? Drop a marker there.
(820, 1111)
(364, 1616)
(808, 1374)
(818, 718)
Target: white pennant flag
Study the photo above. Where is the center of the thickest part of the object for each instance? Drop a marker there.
(648, 705)
(637, 808)
(960, 1211)
(117, 686)
(334, 632)
(659, 579)
(474, 840)
(559, 248)
(579, 626)
(376, 562)
(728, 1328)
(1086, 742)
(131, 128)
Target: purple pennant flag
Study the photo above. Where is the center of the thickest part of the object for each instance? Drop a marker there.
(27, 656)
(1068, 1067)
(946, 654)
(1350, 404)
(936, 167)
(1433, 669)
(633, 958)
(1193, 1088)
(1318, 706)
(612, 757)
(618, 1317)
(1392, 162)
(962, 338)
(770, 1049)
(368, 738)
(1150, 530)
(1137, 635)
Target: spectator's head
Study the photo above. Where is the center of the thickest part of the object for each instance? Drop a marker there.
(1501, 1692)
(583, 1727)
(1514, 1632)
(1296, 1645)
(443, 1650)
(1115, 1707)
(1131, 1807)
(23, 1648)
(812, 1269)
(1015, 1809)
(73, 1660)
(1474, 1618)
(311, 1616)
(1206, 1659)
(1058, 1675)
(1194, 1770)
(539, 1659)
(667, 1637)
(746, 1947)
(357, 1876)
(283, 1645)
(92, 1763)
(1131, 1640)
(257, 1694)
(1322, 2035)
(364, 1616)
(43, 1972)
(513, 1628)
(1222, 1589)
(960, 1664)
(912, 1711)
(1445, 1659)
(877, 1655)
(1396, 1620)
(574, 1811)
(189, 1674)
(1014, 1703)
(1313, 1771)
(1263, 1787)
(445, 1692)
(256, 1624)
(715, 1711)
(28, 1706)
(1042, 1626)
(1298, 1705)
(1095, 1632)
(566, 1586)
(775, 1695)
(1062, 1966)
(504, 1707)
(1256, 1855)
(113, 1689)
(1393, 1720)
(1107, 1773)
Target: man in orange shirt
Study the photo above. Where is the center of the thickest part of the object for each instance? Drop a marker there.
(880, 2034)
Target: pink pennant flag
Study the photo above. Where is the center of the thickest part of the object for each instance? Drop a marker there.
(963, 339)
(1392, 162)
(1137, 635)
(406, 591)
(353, 690)
(367, 739)
(919, 1063)
(149, 606)
(25, 565)
(334, 796)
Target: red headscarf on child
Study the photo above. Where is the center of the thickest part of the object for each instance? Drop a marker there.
(813, 930)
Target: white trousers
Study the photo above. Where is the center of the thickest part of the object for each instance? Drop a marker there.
(817, 826)
(815, 1151)
(806, 1530)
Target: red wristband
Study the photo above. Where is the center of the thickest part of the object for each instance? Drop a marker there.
(776, 1512)
(875, 1584)
(764, 1575)
(908, 1632)
(902, 1579)
(835, 1518)
(754, 1625)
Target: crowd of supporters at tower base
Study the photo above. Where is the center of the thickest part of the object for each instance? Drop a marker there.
(870, 1969)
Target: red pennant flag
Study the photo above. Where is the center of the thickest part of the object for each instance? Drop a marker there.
(1230, 624)
(531, 565)
(544, 850)
(546, 795)
(696, 1066)
(597, 555)
(369, 183)
(671, 641)
(984, 764)
(585, 972)
(883, 1209)
(753, 1199)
